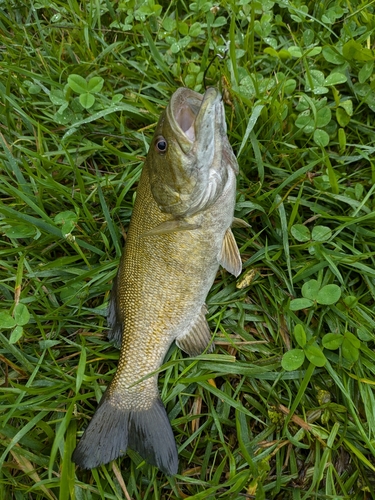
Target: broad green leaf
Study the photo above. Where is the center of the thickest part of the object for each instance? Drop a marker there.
(308, 37)
(272, 52)
(304, 120)
(300, 335)
(64, 116)
(303, 103)
(362, 89)
(353, 50)
(77, 83)
(335, 79)
(315, 355)
(348, 106)
(68, 227)
(183, 28)
(21, 314)
(57, 97)
(66, 216)
(283, 54)
(298, 304)
(293, 359)
(370, 101)
(313, 79)
(219, 21)
(20, 231)
(300, 232)
(169, 24)
(364, 334)
(116, 98)
(6, 320)
(321, 233)
(349, 351)
(350, 301)
(175, 48)
(332, 341)
(342, 117)
(314, 51)
(310, 289)
(16, 335)
(328, 295)
(195, 29)
(295, 51)
(320, 90)
(352, 339)
(366, 71)
(332, 55)
(323, 117)
(321, 138)
(95, 84)
(34, 89)
(86, 100)
(290, 86)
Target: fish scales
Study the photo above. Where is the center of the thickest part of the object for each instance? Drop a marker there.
(178, 235)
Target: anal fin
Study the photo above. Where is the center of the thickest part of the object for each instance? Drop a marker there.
(196, 339)
(230, 257)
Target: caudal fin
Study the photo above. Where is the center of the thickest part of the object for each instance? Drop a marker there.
(113, 429)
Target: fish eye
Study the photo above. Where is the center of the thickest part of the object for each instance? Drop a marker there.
(161, 144)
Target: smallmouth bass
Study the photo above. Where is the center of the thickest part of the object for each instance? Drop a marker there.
(179, 234)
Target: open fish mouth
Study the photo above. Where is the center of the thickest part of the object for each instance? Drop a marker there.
(193, 114)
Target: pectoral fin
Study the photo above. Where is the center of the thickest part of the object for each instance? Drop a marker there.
(230, 257)
(239, 223)
(197, 337)
(171, 226)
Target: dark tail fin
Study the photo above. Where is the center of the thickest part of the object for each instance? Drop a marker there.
(113, 428)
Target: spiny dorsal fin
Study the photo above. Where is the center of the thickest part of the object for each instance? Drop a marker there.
(230, 257)
(197, 337)
(239, 223)
(171, 226)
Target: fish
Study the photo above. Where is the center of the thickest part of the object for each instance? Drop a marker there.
(179, 234)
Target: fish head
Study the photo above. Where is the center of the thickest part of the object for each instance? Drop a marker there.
(190, 154)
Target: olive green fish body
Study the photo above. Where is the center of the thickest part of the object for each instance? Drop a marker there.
(163, 282)
(178, 235)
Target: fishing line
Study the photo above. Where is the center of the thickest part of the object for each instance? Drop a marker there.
(209, 65)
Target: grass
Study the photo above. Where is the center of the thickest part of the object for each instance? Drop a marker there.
(284, 409)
